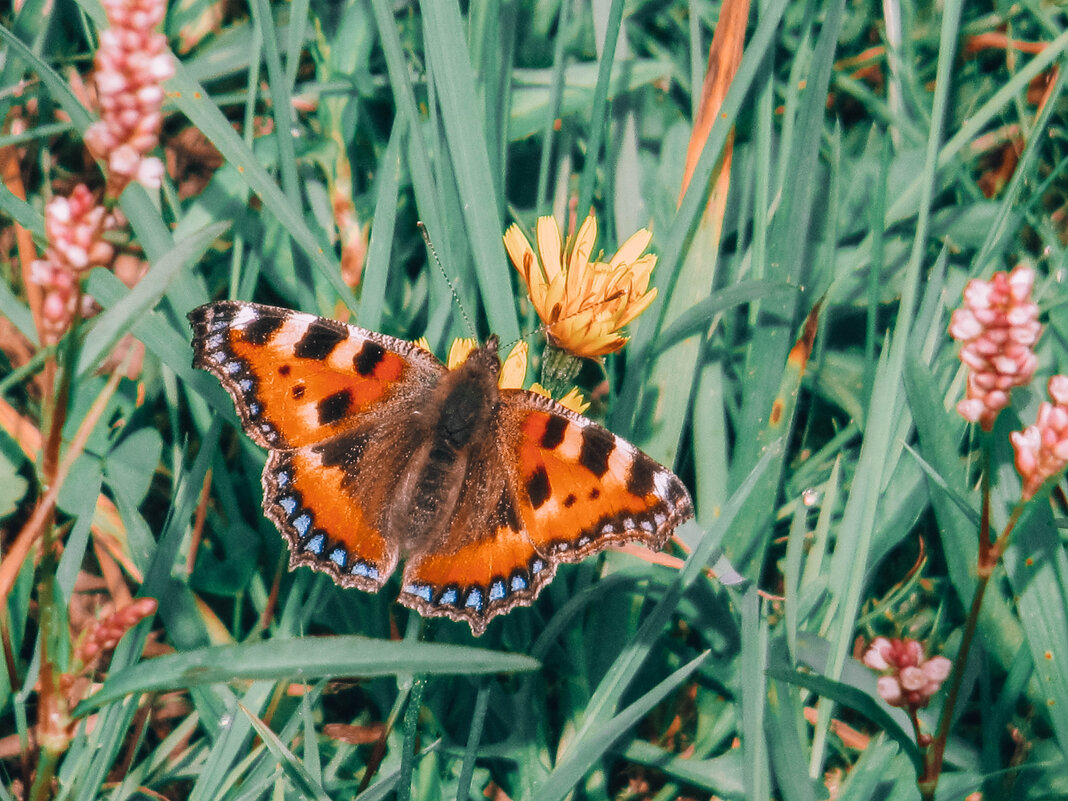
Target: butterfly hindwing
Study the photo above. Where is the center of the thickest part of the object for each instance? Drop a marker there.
(328, 526)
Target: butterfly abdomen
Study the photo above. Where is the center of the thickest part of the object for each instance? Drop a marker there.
(459, 419)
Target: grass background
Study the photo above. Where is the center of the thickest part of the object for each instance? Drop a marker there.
(879, 155)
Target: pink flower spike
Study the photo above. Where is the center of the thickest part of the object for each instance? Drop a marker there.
(996, 327)
(1042, 449)
(75, 227)
(131, 64)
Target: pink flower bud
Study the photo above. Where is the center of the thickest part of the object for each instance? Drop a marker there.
(1042, 449)
(996, 327)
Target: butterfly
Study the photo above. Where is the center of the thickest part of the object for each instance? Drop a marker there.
(378, 451)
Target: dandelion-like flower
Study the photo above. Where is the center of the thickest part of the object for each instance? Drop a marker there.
(131, 64)
(1042, 449)
(582, 302)
(908, 680)
(75, 228)
(998, 326)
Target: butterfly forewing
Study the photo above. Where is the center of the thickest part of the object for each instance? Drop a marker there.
(297, 379)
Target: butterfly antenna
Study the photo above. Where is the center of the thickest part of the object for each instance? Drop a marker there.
(448, 281)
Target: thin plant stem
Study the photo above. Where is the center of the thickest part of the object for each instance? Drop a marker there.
(935, 755)
(989, 554)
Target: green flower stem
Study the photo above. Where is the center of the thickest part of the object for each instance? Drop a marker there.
(558, 369)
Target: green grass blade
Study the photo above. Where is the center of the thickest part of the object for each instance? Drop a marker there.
(333, 656)
(302, 782)
(122, 316)
(192, 100)
(454, 81)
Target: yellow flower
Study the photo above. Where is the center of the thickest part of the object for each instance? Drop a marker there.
(583, 303)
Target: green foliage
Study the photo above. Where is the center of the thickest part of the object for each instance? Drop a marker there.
(876, 165)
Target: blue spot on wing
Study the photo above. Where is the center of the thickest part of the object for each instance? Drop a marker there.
(315, 544)
(365, 570)
(474, 599)
(497, 590)
(420, 591)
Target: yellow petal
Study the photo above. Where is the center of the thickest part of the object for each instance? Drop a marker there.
(555, 296)
(526, 262)
(539, 389)
(460, 350)
(518, 246)
(641, 271)
(574, 401)
(637, 306)
(548, 234)
(630, 250)
(423, 343)
(581, 251)
(514, 370)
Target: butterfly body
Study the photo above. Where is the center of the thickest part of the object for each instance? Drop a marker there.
(378, 452)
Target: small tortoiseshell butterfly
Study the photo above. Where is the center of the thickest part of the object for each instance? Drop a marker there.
(377, 451)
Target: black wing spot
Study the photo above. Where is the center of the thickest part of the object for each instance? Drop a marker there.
(640, 476)
(334, 407)
(298, 391)
(261, 329)
(554, 432)
(318, 341)
(284, 370)
(538, 489)
(597, 446)
(595, 494)
(368, 358)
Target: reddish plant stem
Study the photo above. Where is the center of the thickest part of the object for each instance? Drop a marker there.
(989, 554)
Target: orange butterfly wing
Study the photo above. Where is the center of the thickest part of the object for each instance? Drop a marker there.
(298, 379)
(315, 391)
(570, 489)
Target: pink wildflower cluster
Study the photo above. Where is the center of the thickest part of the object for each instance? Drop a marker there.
(105, 634)
(1042, 449)
(75, 228)
(998, 325)
(131, 64)
(909, 679)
